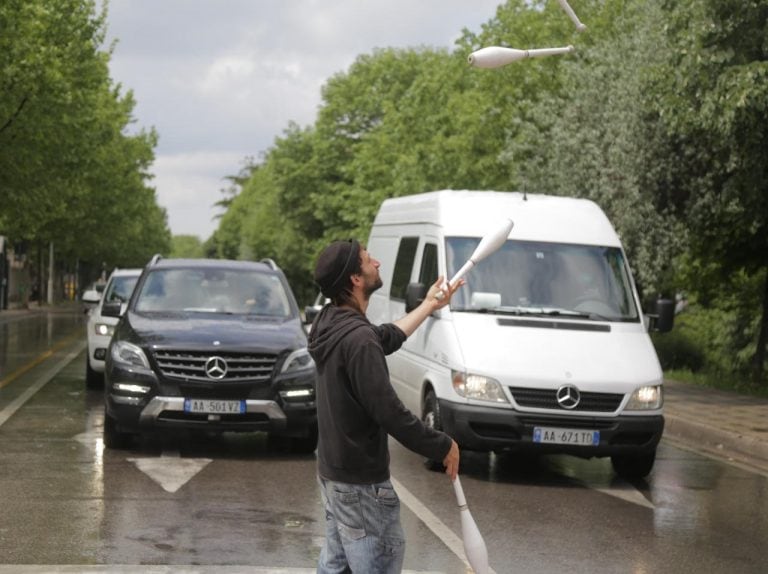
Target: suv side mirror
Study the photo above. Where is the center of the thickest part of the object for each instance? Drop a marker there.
(112, 309)
(664, 318)
(414, 295)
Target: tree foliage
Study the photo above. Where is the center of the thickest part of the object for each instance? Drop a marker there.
(716, 102)
(69, 170)
(659, 117)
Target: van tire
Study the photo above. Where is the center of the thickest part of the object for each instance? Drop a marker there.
(633, 466)
(431, 418)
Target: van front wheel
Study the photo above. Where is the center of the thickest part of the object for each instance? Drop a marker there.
(431, 414)
(633, 466)
(431, 418)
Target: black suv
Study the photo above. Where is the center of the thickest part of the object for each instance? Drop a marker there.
(214, 345)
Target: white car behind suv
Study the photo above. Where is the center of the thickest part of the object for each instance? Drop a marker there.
(119, 288)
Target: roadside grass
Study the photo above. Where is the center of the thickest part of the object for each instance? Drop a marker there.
(718, 381)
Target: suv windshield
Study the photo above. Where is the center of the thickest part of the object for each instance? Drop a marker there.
(213, 291)
(536, 278)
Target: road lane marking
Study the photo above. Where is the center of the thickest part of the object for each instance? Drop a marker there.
(37, 360)
(170, 472)
(41, 381)
(454, 543)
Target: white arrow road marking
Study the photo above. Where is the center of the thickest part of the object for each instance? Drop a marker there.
(626, 492)
(170, 472)
(618, 488)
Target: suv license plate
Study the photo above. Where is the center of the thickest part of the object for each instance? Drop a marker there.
(552, 435)
(211, 406)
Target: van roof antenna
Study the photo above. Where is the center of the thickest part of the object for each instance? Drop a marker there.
(525, 196)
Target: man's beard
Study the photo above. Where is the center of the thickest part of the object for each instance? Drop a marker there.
(370, 287)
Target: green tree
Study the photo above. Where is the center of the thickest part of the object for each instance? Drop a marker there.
(70, 172)
(600, 137)
(716, 97)
(187, 247)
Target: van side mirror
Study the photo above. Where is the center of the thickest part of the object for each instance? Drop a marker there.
(112, 309)
(310, 312)
(414, 296)
(664, 318)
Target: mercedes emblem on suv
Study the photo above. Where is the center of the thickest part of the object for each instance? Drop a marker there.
(216, 368)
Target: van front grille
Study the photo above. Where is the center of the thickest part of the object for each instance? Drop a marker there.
(547, 399)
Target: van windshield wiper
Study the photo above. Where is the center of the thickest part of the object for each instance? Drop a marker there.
(535, 311)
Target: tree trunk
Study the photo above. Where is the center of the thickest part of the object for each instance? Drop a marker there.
(762, 338)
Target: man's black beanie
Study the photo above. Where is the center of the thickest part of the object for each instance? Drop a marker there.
(335, 265)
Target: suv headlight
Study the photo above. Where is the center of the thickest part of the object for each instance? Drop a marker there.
(129, 354)
(646, 398)
(298, 360)
(478, 387)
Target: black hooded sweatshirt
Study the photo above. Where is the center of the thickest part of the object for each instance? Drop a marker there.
(356, 405)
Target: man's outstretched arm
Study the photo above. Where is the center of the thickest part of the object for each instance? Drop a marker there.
(412, 320)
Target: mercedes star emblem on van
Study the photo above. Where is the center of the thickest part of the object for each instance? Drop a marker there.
(568, 397)
(216, 368)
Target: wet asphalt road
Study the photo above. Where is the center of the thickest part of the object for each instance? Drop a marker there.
(236, 502)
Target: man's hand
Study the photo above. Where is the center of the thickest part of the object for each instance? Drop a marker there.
(451, 461)
(439, 295)
(431, 303)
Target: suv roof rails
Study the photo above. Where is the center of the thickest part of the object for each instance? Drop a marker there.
(155, 258)
(270, 262)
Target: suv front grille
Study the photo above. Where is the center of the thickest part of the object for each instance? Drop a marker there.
(191, 365)
(547, 399)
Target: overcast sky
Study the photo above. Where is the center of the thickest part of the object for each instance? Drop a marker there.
(220, 79)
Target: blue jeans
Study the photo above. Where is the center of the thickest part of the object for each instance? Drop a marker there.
(363, 534)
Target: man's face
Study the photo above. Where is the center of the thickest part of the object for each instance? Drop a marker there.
(370, 273)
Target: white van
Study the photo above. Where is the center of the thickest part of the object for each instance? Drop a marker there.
(545, 349)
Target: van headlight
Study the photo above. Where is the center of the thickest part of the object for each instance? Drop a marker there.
(299, 360)
(478, 387)
(128, 354)
(646, 398)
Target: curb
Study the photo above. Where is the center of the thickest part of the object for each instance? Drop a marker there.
(700, 435)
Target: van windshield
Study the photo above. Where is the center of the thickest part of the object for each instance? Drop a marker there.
(536, 278)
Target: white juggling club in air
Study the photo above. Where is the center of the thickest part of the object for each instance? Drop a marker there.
(488, 244)
(495, 56)
(572, 15)
(474, 545)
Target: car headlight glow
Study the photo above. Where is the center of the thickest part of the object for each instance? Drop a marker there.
(129, 388)
(128, 354)
(478, 387)
(298, 360)
(648, 397)
(104, 329)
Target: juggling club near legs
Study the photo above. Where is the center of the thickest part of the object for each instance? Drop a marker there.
(474, 545)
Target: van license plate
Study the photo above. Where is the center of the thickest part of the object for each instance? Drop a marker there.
(551, 435)
(212, 406)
